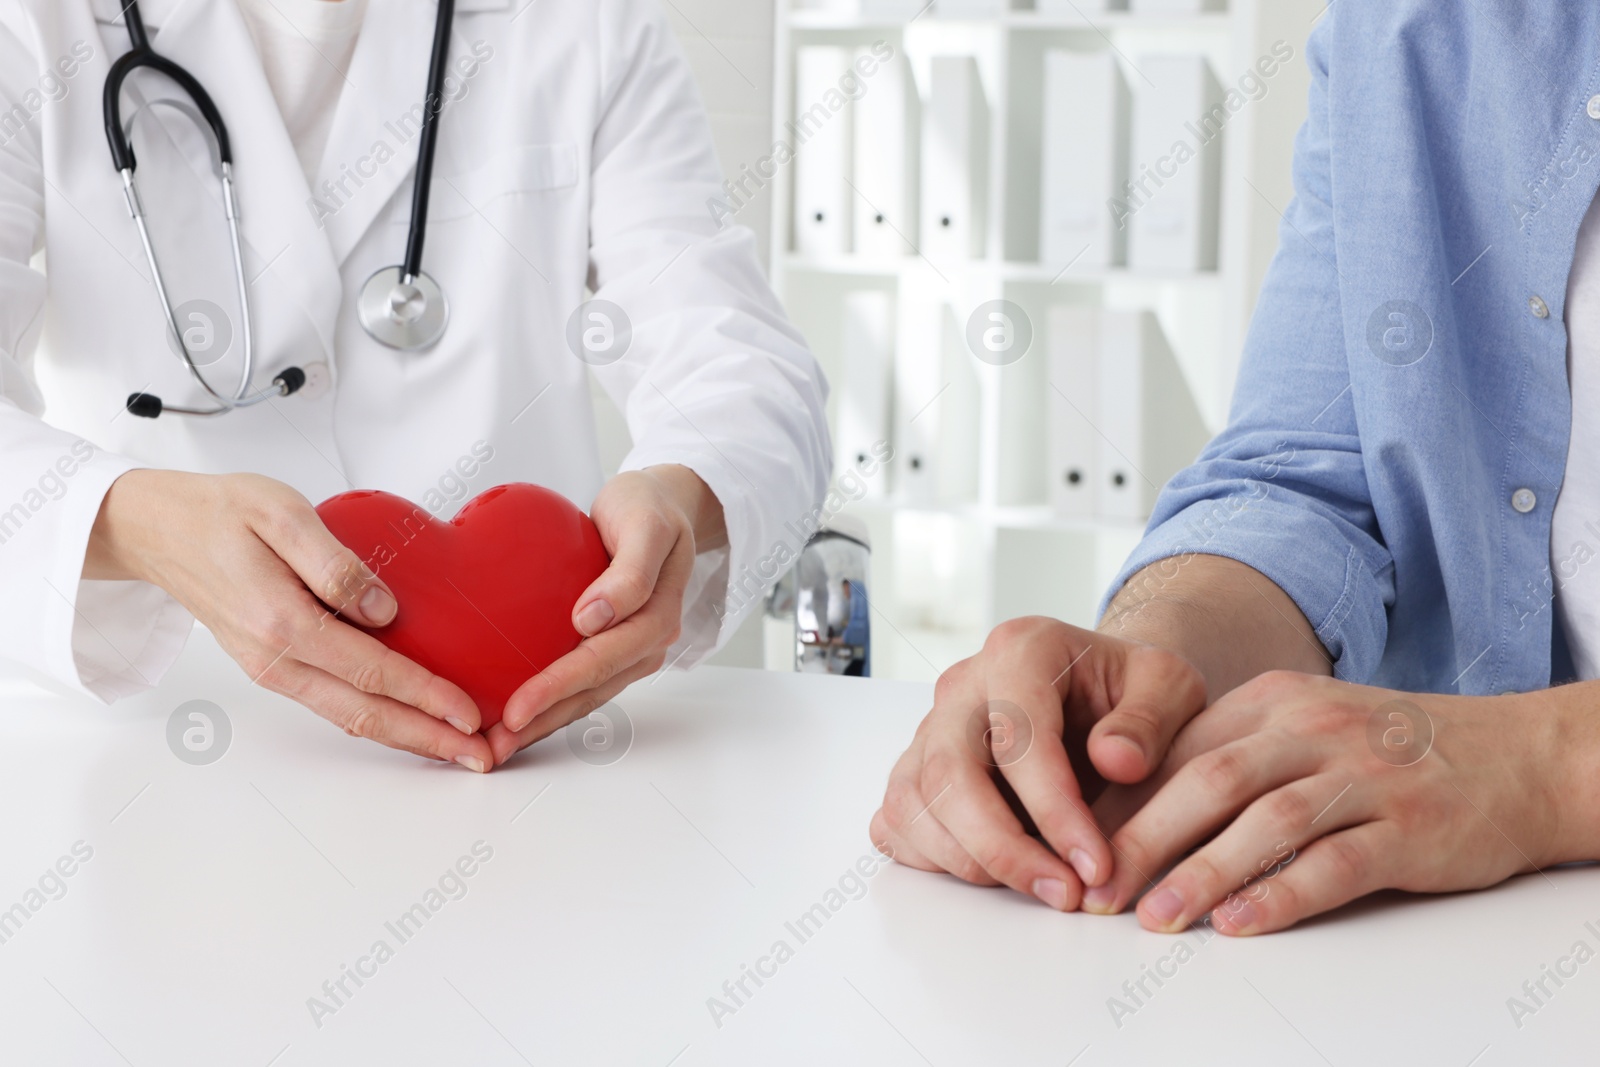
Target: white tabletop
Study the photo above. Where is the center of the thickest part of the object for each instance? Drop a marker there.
(620, 897)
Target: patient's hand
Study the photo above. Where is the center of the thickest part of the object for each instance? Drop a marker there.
(1036, 722)
(1364, 788)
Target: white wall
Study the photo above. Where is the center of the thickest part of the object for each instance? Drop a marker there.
(729, 43)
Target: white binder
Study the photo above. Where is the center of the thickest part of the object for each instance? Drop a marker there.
(887, 131)
(1173, 203)
(1148, 426)
(936, 407)
(822, 196)
(918, 391)
(1085, 154)
(866, 347)
(955, 161)
(1072, 400)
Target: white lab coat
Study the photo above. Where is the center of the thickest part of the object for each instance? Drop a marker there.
(574, 154)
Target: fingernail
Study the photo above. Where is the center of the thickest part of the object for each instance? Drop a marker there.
(594, 618)
(471, 763)
(1127, 742)
(1239, 919)
(1084, 864)
(1100, 899)
(458, 724)
(515, 720)
(1053, 891)
(1164, 905)
(377, 605)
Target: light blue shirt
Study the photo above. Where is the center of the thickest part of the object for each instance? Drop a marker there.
(1399, 429)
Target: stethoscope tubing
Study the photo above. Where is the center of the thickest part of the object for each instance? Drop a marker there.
(427, 145)
(393, 333)
(141, 56)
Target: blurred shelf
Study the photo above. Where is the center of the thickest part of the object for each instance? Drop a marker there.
(1040, 273)
(1010, 517)
(1049, 274)
(1117, 20)
(1105, 21)
(832, 20)
(882, 268)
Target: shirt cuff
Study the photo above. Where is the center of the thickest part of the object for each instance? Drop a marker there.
(1303, 552)
(709, 617)
(108, 640)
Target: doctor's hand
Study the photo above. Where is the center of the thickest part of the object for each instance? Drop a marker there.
(653, 523)
(249, 557)
(1307, 792)
(1021, 738)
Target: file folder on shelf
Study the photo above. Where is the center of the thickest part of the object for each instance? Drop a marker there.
(955, 161)
(936, 407)
(1071, 399)
(822, 196)
(887, 132)
(1084, 146)
(866, 349)
(1147, 425)
(1172, 200)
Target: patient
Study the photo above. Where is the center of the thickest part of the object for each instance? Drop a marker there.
(1330, 666)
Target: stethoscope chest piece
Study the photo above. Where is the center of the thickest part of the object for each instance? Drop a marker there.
(405, 313)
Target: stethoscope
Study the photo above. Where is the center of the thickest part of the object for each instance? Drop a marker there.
(400, 306)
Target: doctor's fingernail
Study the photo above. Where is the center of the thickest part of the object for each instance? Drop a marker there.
(378, 606)
(458, 724)
(471, 763)
(1235, 918)
(1164, 905)
(1100, 899)
(1053, 891)
(1084, 864)
(594, 618)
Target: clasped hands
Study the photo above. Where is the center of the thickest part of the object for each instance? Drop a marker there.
(1090, 772)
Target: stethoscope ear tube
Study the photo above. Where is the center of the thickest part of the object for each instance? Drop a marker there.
(117, 138)
(140, 56)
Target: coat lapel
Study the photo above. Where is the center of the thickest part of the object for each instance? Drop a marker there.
(372, 147)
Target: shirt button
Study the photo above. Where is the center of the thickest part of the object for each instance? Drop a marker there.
(1540, 309)
(1594, 107)
(1524, 500)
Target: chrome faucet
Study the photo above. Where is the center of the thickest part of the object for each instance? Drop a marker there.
(825, 595)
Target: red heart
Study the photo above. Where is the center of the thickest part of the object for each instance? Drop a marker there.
(486, 599)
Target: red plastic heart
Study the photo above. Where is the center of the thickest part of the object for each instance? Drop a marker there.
(486, 599)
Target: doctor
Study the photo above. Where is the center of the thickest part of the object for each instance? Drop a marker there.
(572, 154)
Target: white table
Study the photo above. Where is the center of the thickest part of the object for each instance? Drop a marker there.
(620, 897)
